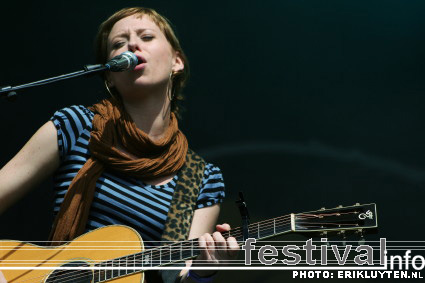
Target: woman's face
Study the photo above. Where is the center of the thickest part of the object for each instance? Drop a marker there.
(144, 38)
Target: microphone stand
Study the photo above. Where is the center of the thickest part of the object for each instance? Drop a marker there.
(9, 92)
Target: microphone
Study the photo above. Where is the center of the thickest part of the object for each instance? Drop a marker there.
(125, 61)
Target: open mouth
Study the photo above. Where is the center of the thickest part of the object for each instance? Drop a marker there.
(140, 63)
(140, 59)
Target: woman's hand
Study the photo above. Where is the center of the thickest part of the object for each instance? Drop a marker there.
(215, 250)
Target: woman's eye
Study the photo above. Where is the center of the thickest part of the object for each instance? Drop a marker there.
(147, 37)
(117, 44)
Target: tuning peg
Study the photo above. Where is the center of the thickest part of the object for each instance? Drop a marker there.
(344, 236)
(323, 208)
(339, 206)
(359, 231)
(357, 204)
(361, 235)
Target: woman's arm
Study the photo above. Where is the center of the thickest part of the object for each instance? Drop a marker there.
(38, 159)
(214, 248)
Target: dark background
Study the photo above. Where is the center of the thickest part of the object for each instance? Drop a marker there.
(302, 104)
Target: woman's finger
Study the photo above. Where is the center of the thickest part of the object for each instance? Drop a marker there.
(202, 243)
(232, 247)
(220, 244)
(222, 227)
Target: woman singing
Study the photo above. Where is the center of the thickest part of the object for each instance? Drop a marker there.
(121, 160)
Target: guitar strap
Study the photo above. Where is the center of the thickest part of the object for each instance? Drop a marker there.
(180, 214)
(179, 218)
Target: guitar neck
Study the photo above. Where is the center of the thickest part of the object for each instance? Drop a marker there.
(341, 218)
(180, 251)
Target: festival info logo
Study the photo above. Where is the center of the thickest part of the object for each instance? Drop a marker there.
(339, 259)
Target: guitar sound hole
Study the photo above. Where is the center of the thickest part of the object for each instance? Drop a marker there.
(71, 275)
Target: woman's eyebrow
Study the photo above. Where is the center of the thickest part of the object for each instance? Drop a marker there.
(141, 30)
(125, 34)
(122, 34)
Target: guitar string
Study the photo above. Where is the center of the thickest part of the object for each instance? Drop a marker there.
(255, 226)
(135, 261)
(256, 229)
(139, 258)
(236, 228)
(299, 217)
(257, 223)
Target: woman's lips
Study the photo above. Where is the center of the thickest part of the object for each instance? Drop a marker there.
(139, 67)
(141, 63)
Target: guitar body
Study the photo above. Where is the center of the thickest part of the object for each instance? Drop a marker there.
(96, 246)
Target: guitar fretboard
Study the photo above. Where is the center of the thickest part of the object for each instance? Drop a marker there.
(168, 254)
(340, 218)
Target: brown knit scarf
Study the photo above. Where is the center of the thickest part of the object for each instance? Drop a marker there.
(113, 127)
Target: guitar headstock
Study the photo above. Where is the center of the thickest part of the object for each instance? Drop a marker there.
(356, 217)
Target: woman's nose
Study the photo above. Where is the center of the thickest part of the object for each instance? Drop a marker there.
(133, 47)
(133, 44)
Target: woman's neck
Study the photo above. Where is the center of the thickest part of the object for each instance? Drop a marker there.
(151, 114)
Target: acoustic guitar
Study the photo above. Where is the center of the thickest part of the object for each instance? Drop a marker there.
(87, 258)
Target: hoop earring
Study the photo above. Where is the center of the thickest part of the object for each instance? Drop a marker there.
(107, 88)
(170, 91)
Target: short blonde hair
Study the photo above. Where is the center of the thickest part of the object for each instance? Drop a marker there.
(179, 79)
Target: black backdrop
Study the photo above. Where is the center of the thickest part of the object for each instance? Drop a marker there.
(302, 104)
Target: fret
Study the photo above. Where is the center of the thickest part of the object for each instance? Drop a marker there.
(258, 228)
(126, 266)
(101, 273)
(119, 270)
(138, 262)
(191, 249)
(131, 262)
(105, 274)
(195, 247)
(170, 250)
(108, 272)
(238, 234)
(175, 252)
(263, 230)
(142, 257)
(96, 274)
(165, 254)
(186, 250)
(280, 228)
(115, 272)
(171, 253)
(147, 259)
(155, 257)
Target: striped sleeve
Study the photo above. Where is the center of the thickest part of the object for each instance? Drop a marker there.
(70, 123)
(212, 190)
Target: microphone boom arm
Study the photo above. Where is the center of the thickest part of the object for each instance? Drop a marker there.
(10, 91)
(124, 61)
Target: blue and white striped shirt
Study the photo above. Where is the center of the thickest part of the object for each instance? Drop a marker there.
(120, 200)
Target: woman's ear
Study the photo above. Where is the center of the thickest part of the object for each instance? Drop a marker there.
(178, 64)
